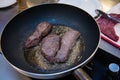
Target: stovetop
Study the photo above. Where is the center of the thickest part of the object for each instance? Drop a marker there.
(97, 68)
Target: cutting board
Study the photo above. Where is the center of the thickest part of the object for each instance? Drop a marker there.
(115, 9)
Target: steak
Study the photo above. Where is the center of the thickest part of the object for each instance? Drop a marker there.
(42, 29)
(67, 42)
(49, 47)
(107, 26)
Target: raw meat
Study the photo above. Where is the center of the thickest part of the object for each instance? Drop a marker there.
(107, 26)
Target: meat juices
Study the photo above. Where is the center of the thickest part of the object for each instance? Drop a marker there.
(52, 48)
(67, 42)
(42, 29)
(49, 47)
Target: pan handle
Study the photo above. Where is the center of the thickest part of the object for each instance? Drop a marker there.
(80, 74)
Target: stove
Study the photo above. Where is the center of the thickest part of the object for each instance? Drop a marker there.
(98, 68)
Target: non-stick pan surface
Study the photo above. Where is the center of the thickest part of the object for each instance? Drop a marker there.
(25, 23)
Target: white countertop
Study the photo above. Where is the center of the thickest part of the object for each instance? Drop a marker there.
(8, 73)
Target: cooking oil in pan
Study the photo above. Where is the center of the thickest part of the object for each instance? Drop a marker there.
(36, 60)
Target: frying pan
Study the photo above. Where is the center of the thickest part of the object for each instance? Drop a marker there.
(25, 22)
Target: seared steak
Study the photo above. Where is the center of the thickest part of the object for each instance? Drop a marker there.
(49, 47)
(67, 42)
(42, 29)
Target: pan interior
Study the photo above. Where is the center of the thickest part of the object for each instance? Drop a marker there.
(37, 61)
(22, 25)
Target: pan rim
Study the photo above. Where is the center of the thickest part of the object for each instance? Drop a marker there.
(57, 73)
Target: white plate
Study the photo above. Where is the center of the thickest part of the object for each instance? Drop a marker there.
(88, 5)
(6, 3)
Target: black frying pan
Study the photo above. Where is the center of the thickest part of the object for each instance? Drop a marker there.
(25, 22)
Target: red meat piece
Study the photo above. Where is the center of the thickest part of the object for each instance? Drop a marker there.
(107, 26)
(67, 42)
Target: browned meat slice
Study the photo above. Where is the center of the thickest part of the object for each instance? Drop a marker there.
(107, 26)
(67, 42)
(42, 29)
(50, 46)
